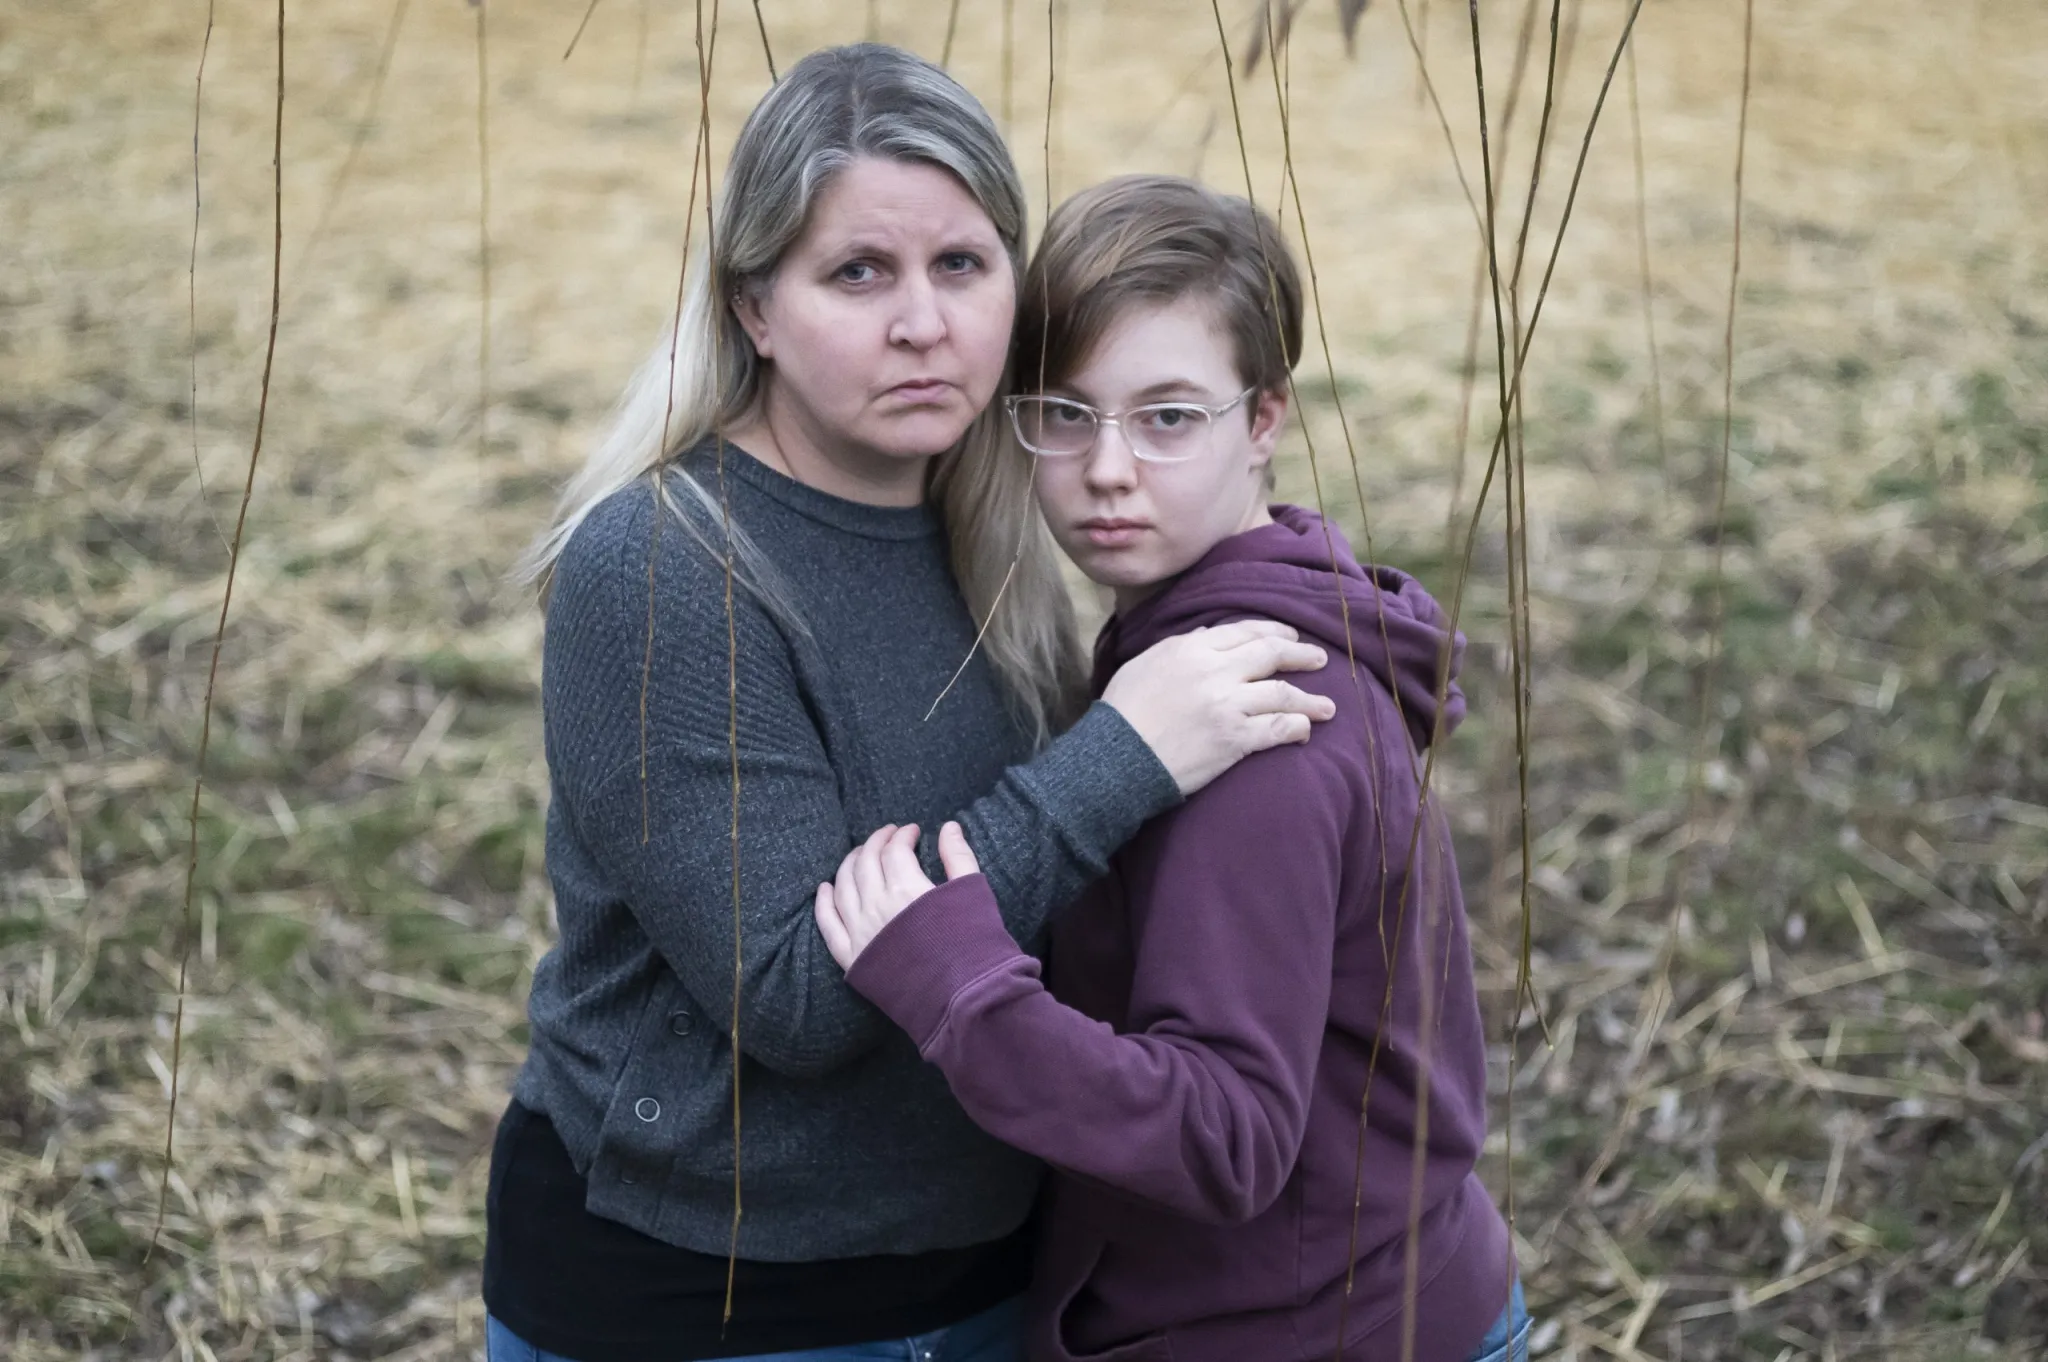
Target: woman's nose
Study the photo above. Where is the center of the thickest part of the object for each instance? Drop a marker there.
(920, 323)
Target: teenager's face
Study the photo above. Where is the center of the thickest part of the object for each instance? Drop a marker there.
(1128, 524)
(887, 323)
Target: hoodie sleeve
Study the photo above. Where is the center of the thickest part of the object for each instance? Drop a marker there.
(1200, 1105)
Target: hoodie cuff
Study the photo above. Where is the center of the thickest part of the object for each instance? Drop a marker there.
(943, 942)
(1100, 782)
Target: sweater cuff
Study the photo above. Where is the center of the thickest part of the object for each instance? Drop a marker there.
(1100, 782)
(941, 943)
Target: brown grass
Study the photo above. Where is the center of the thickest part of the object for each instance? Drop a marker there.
(1822, 1138)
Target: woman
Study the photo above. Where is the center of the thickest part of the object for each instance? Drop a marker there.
(717, 742)
(1289, 938)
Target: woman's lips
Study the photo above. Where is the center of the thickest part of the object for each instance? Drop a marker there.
(1111, 533)
(922, 391)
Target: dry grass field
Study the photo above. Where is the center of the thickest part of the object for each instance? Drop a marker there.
(1788, 1097)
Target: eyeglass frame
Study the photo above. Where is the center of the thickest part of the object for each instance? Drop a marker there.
(1116, 419)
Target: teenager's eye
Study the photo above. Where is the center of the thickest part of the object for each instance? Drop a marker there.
(1171, 420)
(1066, 414)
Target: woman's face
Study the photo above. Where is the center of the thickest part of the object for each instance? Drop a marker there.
(1129, 524)
(887, 323)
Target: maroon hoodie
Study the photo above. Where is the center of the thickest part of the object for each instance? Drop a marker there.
(1195, 1073)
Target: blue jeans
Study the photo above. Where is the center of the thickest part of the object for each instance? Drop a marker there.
(1506, 1341)
(994, 1335)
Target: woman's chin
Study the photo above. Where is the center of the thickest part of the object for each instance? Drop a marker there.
(920, 434)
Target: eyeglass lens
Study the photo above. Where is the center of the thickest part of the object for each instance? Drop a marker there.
(1165, 430)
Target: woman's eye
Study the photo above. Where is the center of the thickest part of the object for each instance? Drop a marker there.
(856, 272)
(959, 262)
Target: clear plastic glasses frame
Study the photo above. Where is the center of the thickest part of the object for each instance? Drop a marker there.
(1157, 432)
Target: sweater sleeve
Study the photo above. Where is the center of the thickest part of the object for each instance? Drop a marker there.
(1200, 1105)
(1052, 823)
(663, 836)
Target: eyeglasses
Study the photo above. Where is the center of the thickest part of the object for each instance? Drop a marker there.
(1158, 432)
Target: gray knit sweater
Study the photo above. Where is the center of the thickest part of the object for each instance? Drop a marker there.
(850, 1144)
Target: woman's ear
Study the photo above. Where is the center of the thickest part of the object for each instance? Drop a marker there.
(1269, 418)
(746, 306)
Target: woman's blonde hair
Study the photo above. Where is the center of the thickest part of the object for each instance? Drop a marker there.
(831, 108)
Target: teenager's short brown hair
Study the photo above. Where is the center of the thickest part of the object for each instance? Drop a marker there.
(1158, 239)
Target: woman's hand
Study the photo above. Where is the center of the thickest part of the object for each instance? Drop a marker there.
(1205, 700)
(879, 879)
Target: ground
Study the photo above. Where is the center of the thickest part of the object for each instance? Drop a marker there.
(1783, 1092)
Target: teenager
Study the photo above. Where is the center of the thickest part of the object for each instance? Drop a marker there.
(1258, 1069)
(767, 574)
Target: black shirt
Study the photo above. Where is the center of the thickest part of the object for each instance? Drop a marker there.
(591, 1289)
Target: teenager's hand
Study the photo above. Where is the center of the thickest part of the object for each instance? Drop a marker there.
(1205, 700)
(879, 879)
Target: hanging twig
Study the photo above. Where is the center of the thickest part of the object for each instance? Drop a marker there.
(1029, 502)
(220, 633)
(192, 274)
(1443, 120)
(577, 36)
(707, 61)
(1009, 68)
(1635, 120)
(767, 52)
(359, 137)
(361, 134)
(483, 234)
(952, 27)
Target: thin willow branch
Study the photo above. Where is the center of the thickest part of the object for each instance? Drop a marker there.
(483, 232)
(1415, 45)
(1523, 649)
(577, 36)
(192, 275)
(1410, 1257)
(1009, 68)
(707, 61)
(1710, 682)
(761, 26)
(952, 27)
(1421, 48)
(220, 634)
(1030, 502)
(1656, 394)
(360, 137)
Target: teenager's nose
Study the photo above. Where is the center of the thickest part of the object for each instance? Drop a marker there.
(1112, 467)
(919, 324)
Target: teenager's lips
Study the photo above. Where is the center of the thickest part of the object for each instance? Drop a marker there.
(1112, 532)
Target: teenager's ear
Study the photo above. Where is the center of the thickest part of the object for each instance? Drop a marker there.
(746, 306)
(1269, 418)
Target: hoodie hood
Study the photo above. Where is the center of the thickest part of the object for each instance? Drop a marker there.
(1282, 571)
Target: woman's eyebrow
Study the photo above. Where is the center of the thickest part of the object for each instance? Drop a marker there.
(861, 246)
